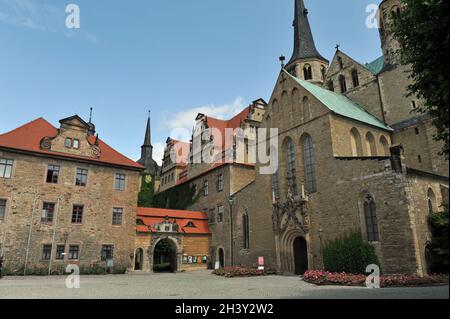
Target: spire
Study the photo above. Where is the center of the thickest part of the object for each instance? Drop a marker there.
(304, 46)
(148, 137)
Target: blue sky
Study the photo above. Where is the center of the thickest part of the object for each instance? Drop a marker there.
(175, 57)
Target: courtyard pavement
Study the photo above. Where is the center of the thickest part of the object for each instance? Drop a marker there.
(198, 285)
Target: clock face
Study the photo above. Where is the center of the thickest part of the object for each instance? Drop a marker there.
(148, 178)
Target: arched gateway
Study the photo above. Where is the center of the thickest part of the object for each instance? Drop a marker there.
(165, 256)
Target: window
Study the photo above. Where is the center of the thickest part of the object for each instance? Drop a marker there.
(2, 209)
(68, 142)
(46, 252)
(190, 225)
(205, 188)
(370, 212)
(220, 183)
(331, 86)
(419, 159)
(76, 144)
(120, 182)
(431, 198)
(307, 72)
(6, 168)
(77, 214)
(276, 175)
(212, 216)
(292, 169)
(117, 216)
(107, 252)
(81, 179)
(53, 174)
(60, 250)
(48, 211)
(343, 83)
(310, 164)
(220, 214)
(355, 78)
(246, 231)
(417, 130)
(414, 105)
(74, 252)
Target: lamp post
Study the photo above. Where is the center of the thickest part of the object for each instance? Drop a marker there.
(230, 201)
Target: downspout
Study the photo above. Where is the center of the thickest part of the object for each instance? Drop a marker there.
(29, 235)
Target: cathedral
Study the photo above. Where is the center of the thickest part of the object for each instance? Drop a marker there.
(354, 156)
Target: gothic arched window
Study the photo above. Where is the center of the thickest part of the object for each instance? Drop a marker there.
(355, 78)
(291, 166)
(307, 72)
(431, 198)
(343, 83)
(370, 213)
(276, 175)
(331, 85)
(310, 164)
(246, 230)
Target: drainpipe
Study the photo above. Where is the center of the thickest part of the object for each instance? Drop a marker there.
(230, 201)
(29, 234)
(54, 235)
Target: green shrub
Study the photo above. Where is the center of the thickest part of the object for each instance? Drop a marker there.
(350, 254)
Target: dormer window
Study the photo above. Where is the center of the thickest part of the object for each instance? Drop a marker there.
(68, 142)
(190, 225)
(76, 143)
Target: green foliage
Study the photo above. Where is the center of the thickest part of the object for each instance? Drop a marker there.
(439, 243)
(179, 197)
(146, 195)
(350, 254)
(422, 31)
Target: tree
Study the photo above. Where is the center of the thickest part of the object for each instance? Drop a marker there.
(422, 32)
(439, 246)
(145, 197)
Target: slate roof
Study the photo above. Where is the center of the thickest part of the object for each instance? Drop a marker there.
(340, 104)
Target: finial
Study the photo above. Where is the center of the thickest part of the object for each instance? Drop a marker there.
(282, 58)
(96, 140)
(90, 115)
(337, 47)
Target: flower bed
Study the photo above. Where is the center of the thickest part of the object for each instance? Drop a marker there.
(238, 271)
(319, 277)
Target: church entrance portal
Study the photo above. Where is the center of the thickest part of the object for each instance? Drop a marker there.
(300, 255)
(165, 256)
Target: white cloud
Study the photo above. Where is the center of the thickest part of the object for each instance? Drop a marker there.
(158, 152)
(186, 119)
(39, 16)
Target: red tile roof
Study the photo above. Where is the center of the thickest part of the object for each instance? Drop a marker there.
(153, 216)
(28, 138)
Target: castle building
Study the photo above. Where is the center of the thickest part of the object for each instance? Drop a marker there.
(353, 156)
(65, 197)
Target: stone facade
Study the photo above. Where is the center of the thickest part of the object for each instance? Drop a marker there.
(25, 229)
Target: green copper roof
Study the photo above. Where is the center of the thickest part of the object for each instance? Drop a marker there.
(375, 66)
(341, 104)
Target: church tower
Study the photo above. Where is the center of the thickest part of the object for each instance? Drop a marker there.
(306, 62)
(151, 167)
(389, 10)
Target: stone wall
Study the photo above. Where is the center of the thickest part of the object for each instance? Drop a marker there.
(22, 231)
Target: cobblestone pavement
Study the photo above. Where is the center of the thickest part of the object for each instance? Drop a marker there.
(199, 284)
